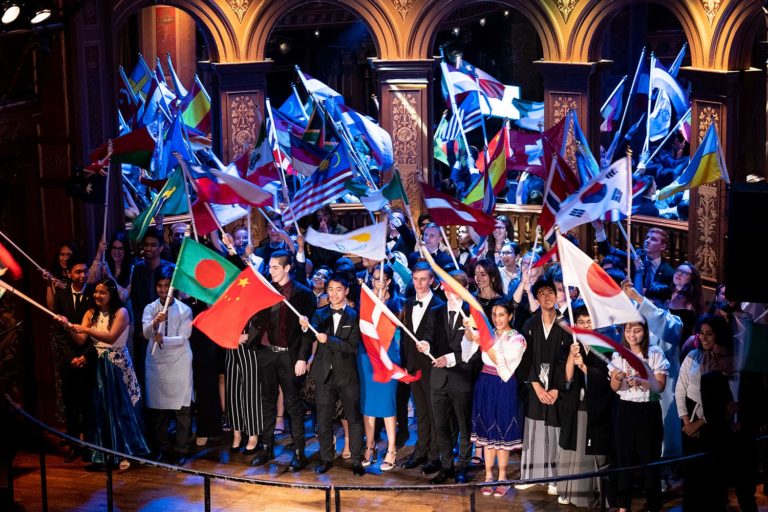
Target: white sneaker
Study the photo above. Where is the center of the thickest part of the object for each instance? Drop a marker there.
(522, 487)
(563, 501)
(552, 490)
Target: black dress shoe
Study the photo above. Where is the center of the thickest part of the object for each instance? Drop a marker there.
(235, 449)
(461, 476)
(358, 469)
(250, 451)
(72, 454)
(323, 467)
(298, 462)
(442, 476)
(431, 467)
(179, 459)
(264, 456)
(412, 462)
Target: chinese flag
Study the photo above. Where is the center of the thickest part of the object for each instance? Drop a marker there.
(225, 320)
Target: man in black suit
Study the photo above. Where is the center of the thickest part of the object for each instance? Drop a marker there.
(400, 237)
(432, 238)
(282, 358)
(419, 319)
(450, 384)
(334, 370)
(72, 361)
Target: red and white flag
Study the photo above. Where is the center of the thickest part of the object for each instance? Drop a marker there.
(377, 328)
(225, 187)
(448, 211)
(606, 302)
(562, 181)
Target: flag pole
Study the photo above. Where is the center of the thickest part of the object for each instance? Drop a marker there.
(16, 292)
(46, 275)
(279, 165)
(298, 98)
(267, 218)
(285, 301)
(646, 144)
(612, 147)
(451, 94)
(626, 237)
(630, 250)
(106, 196)
(165, 310)
(186, 192)
(615, 89)
(644, 161)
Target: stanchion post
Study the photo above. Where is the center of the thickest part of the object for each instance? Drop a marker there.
(110, 497)
(207, 493)
(337, 494)
(43, 476)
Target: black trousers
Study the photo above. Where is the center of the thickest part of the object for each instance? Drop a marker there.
(276, 369)
(205, 376)
(638, 433)
(326, 394)
(453, 409)
(161, 420)
(76, 386)
(426, 441)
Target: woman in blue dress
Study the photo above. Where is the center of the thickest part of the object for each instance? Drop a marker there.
(117, 422)
(379, 400)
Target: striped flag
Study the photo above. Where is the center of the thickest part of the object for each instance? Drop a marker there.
(318, 88)
(468, 114)
(562, 181)
(324, 186)
(490, 85)
(196, 108)
(447, 211)
(225, 187)
(611, 109)
(306, 156)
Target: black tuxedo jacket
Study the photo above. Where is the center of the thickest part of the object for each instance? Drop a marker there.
(442, 258)
(304, 301)
(341, 348)
(446, 339)
(64, 304)
(415, 360)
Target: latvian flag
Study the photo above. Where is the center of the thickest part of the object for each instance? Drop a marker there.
(324, 186)
(448, 211)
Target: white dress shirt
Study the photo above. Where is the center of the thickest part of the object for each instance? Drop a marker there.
(420, 310)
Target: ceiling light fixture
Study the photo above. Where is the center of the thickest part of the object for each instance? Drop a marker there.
(11, 11)
(40, 16)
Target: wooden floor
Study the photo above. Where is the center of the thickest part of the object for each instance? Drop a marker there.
(70, 487)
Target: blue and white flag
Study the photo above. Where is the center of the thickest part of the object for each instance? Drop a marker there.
(662, 80)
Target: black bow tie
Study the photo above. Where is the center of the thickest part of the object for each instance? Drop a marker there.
(418, 303)
(337, 311)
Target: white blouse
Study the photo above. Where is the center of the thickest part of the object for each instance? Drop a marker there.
(509, 348)
(659, 366)
(688, 384)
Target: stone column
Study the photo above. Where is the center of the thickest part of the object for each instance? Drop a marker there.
(730, 100)
(405, 97)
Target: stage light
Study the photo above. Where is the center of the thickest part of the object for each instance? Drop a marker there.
(455, 31)
(40, 16)
(317, 34)
(284, 47)
(11, 11)
(482, 22)
(506, 14)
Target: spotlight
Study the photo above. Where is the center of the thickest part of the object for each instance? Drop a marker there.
(482, 22)
(317, 34)
(11, 11)
(40, 16)
(284, 47)
(455, 31)
(506, 14)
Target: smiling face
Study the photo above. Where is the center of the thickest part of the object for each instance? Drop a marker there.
(241, 238)
(508, 256)
(64, 254)
(682, 276)
(634, 333)
(117, 250)
(337, 294)
(500, 318)
(706, 337)
(482, 279)
(101, 296)
(152, 248)
(546, 297)
(78, 274)
(278, 271)
(319, 278)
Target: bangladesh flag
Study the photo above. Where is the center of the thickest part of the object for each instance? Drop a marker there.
(201, 272)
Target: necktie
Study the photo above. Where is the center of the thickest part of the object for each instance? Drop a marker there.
(78, 298)
(451, 318)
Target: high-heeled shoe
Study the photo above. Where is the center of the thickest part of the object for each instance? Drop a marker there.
(370, 458)
(387, 465)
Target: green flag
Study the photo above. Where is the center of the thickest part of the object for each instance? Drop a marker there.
(171, 200)
(375, 200)
(201, 272)
(438, 144)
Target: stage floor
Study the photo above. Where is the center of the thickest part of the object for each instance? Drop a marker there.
(71, 487)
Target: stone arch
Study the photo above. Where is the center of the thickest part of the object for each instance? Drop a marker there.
(260, 22)
(734, 33)
(589, 29)
(223, 40)
(425, 26)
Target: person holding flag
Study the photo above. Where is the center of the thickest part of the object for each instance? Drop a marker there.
(638, 430)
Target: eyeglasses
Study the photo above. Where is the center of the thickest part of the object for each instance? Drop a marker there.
(683, 271)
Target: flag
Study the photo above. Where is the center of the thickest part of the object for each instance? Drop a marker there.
(201, 272)
(224, 214)
(140, 78)
(135, 147)
(261, 168)
(531, 114)
(171, 200)
(606, 302)
(662, 80)
(375, 200)
(675, 66)
(367, 242)
(661, 117)
(685, 127)
(483, 194)
(319, 89)
(181, 92)
(447, 211)
(314, 133)
(294, 110)
(458, 82)
(607, 191)
(89, 187)
(483, 326)
(561, 182)
(225, 320)
(377, 138)
(8, 264)
(225, 187)
(586, 165)
(490, 86)
(468, 115)
(603, 344)
(706, 166)
(305, 156)
(439, 146)
(195, 108)
(173, 142)
(611, 109)
(324, 186)
(377, 328)
(158, 103)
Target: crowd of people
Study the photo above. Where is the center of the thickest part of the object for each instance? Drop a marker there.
(131, 367)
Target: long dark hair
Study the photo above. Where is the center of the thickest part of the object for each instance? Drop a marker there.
(692, 291)
(646, 338)
(494, 276)
(125, 266)
(113, 305)
(56, 269)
